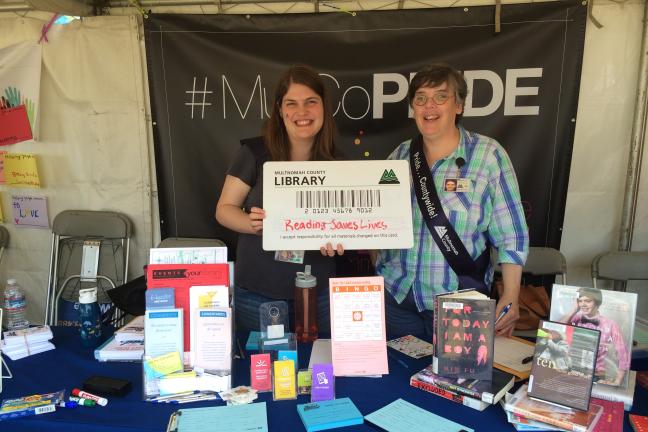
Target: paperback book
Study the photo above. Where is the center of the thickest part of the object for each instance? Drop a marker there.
(478, 404)
(562, 417)
(617, 394)
(464, 335)
(610, 312)
(563, 364)
(488, 391)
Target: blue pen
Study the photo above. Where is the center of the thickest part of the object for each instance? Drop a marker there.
(402, 363)
(503, 312)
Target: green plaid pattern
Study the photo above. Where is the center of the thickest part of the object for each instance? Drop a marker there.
(490, 211)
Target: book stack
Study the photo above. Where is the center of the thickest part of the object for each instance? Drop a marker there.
(613, 314)
(22, 343)
(127, 344)
(560, 384)
(462, 362)
(525, 413)
(476, 394)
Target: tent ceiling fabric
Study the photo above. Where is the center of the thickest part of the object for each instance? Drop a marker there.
(129, 7)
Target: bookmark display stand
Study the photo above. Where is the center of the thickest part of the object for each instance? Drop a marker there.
(272, 346)
(273, 320)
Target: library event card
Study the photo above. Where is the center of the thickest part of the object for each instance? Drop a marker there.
(358, 346)
(359, 204)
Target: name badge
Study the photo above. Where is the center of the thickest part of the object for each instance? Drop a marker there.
(458, 185)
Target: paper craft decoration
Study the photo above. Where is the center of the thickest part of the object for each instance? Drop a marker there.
(20, 170)
(20, 79)
(2, 176)
(29, 211)
(14, 125)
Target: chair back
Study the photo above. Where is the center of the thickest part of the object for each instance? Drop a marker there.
(620, 266)
(543, 261)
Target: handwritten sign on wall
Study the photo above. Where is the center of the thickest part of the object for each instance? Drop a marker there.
(30, 211)
(2, 176)
(21, 170)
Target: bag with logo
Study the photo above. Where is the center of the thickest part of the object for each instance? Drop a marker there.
(533, 302)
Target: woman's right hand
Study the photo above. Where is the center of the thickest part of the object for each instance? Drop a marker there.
(256, 216)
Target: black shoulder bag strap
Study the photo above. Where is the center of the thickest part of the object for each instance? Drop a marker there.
(470, 273)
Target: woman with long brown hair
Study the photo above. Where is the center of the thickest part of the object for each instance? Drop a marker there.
(300, 128)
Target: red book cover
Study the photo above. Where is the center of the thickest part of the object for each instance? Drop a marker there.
(639, 423)
(14, 125)
(612, 418)
(181, 277)
(454, 397)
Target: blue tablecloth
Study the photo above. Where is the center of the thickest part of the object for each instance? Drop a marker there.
(69, 365)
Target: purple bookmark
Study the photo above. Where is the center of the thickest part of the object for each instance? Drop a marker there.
(323, 383)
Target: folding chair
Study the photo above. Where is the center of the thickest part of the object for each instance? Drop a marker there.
(4, 240)
(2, 361)
(620, 266)
(89, 248)
(542, 261)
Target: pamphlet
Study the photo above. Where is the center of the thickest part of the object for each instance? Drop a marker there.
(213, 339)
(358, 338)
(164, 333)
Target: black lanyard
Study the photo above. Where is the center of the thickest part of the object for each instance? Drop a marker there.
(469, 272)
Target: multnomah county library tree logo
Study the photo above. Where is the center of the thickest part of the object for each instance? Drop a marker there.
(389, 177)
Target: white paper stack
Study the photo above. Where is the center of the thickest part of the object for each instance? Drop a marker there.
(132, 331)
(114, 350)
(19, 344)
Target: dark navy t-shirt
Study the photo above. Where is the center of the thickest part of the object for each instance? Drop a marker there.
(256, 269)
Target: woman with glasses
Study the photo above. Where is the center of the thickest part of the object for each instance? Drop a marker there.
(484, 210)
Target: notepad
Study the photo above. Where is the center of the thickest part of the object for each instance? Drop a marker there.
(323, 415)
(402, 416)
(232, 418)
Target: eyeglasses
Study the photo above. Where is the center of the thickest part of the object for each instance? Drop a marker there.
(421, 99)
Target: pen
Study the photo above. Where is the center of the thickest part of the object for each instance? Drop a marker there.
(196, 398)
(526, 360)
(402, 363)
(240, 349)
(172, 396)
(503, 312)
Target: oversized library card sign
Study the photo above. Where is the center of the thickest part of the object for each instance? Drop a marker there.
(359, 204)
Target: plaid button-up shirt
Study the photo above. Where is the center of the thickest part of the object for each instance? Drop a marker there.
(490, 212)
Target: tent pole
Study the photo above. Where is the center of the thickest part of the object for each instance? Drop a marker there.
(636, 145)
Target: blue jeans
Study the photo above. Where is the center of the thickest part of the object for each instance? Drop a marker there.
(404, 318)
(246, 310)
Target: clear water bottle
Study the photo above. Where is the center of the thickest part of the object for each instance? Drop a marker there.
(15, 306)
(89, 317)
(306, 306)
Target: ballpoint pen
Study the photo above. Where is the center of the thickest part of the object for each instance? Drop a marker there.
(503, 312)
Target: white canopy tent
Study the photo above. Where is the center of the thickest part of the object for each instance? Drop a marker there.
(95, 146)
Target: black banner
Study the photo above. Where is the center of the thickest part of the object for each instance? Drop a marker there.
(212, 79)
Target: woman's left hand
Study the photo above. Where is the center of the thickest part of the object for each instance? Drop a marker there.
(328, 250)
